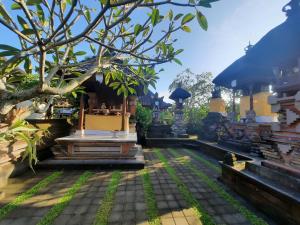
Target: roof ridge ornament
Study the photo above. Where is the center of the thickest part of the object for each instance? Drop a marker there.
(248, 48)
(292, 8)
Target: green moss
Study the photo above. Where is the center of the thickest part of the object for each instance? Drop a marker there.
(204, 217)
(152, 210)
(57, 209)
(204, 161)
(251, 217)
(107, 202)
(28, 194)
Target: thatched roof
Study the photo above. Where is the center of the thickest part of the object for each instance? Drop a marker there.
(279, 48)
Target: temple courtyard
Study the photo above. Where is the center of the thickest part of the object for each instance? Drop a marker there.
(177, 186)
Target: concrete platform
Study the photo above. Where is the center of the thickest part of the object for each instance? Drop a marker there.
(80, 164)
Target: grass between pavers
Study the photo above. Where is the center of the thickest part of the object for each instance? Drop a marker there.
(204, 161)
(5, 210)
(251, 217)
(108, 200)
(204, 217)
(57, 209)
(152, 210)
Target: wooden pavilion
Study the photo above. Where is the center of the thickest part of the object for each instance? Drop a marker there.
(277, 53)
(104, 128)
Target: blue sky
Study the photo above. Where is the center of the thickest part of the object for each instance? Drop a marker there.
(232, 24)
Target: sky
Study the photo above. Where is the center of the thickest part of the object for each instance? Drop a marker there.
(232, 24)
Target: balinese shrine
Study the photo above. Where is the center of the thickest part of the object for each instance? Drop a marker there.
(268, 78)
(254, 77)
(105, 131)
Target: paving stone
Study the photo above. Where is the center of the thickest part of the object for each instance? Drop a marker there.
(181, 221)
(162, 205)
(168, 221)
(140, 206)
(128, 215)
(173, 205)
(62, 219)
(115, 216)
(188, 212)
(177, 214)
(193, 220)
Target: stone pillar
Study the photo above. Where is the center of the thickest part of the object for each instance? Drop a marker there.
(178, 128)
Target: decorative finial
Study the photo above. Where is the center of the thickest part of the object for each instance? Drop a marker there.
(249, 47)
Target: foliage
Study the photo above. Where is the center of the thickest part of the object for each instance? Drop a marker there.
(5, 210)
(219, 190)
(193, 118)
(21, 130)
(199, 85)
(143, 117)
(54, 212)
(55, 35)
(152, 210)
(167, 117)
(204, 217)
(227, 95)
(108, 200)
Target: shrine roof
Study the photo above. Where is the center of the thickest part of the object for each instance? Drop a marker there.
(179, 93)
(279, 48)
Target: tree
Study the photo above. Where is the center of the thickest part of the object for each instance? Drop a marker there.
(199, 85)
(52, 32)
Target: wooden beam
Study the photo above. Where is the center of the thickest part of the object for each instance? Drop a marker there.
(81, 114)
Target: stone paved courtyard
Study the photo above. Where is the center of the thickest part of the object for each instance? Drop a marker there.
(175, 195)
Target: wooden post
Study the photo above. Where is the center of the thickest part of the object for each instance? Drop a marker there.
(233, 102)
(251, 98)
(123, 113)
(81, 114)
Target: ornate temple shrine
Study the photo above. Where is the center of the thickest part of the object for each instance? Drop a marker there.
(105, 130)
(178, 128)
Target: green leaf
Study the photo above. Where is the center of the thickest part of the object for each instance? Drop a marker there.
(8, 47)
(28, 65)
(15, 6)
(187, 18)
(22, 22)
(40, 13)
(7, 53)
(170, 14)
(179, 51)
(202, 20)
(186, 28)
(178, 16)
(137, 29)
(28, 31)
(155, 16)
(34, 2)
(4, 14)
(93, 49)
(177, 61)
(80, 53)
